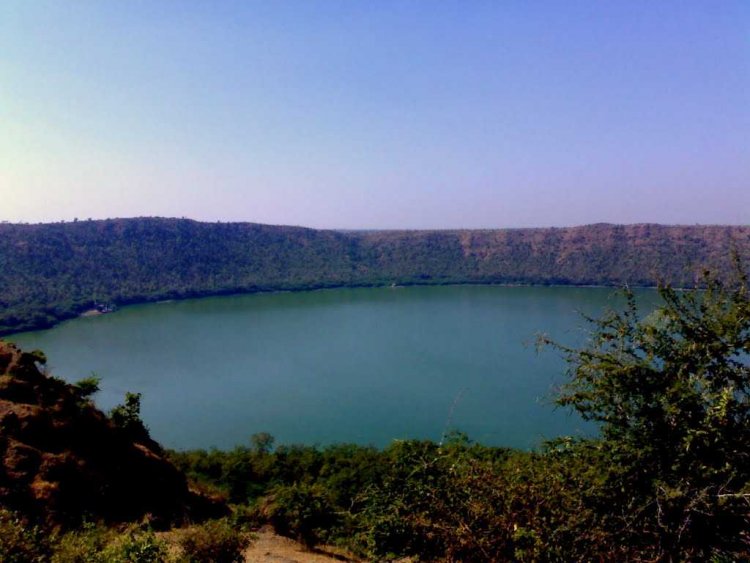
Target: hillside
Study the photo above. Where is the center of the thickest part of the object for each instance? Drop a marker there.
(62, 460)
(50, 272)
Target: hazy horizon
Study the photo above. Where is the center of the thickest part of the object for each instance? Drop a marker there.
(377, 115)
(361, 229)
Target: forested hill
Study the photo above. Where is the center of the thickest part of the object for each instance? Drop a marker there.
(49, 272)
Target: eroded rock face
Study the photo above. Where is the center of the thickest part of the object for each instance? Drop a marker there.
(63, 461)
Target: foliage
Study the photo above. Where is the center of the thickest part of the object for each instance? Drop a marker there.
(671, 396)
(217, 541)
(88, 386)
(22, 543)
(424, 506)
(128, 417)
(19, 542)
(86, 545)
(302, 511)
(99, 544)
(138, 547)
(262, 442)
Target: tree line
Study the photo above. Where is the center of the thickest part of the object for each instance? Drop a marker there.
(51, 272)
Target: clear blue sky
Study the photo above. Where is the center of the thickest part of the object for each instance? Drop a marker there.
(381, 114)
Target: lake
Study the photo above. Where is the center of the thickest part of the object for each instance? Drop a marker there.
(345, 365)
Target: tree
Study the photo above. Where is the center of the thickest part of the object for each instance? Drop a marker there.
(128, 417)
(671, 395)
(88, 386)
(262, 442)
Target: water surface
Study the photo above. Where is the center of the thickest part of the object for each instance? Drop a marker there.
(346, 365)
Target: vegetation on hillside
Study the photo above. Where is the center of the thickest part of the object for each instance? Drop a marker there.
(50, 272)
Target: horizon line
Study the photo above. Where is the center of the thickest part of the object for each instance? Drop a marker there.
(365, 229)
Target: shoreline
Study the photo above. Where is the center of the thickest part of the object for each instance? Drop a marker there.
(90, 313)
(160, 299)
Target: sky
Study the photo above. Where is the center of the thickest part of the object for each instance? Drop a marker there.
(376, 114)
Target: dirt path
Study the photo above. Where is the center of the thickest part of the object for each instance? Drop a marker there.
(276, 549)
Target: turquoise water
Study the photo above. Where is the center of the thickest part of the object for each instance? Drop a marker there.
(346, 365)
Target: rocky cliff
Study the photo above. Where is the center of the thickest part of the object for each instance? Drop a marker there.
(63, 461)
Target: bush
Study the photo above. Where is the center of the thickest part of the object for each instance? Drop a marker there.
(138, 547)
(82, 546)
(440, 502)
(216, 541)
(671, 396)
(20, 543)
(102, 545)
(301, 511)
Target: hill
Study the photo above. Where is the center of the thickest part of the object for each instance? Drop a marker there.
(50, 272)
(63, 461)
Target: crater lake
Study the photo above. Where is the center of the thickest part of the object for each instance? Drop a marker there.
(365, 365)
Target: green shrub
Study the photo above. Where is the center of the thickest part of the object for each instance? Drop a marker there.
(82, 546)
(301, 511)
(88, 386)
(144, 548)
(216, 541)
(671, 396)
(136, 547)
(247, 517)
(20, 543)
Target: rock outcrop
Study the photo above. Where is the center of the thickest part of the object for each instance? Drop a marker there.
(63, 461)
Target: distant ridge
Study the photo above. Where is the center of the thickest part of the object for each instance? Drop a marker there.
(50, 272)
